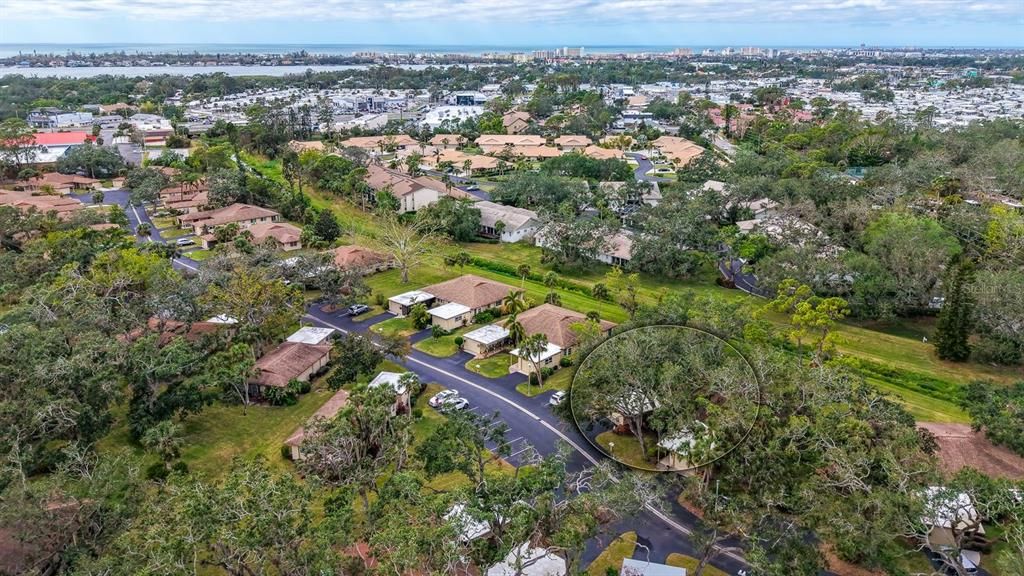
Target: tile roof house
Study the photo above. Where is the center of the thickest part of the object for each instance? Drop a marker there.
(515, 121)
(519, 223)
(556, 323)
(476, 293)
(287, 236)
(327, 411)
(362, 260)
(289, 361)
(495, 143)
(600, 153)
(63, 206)
(619, 250)
(60, 183)
(412, 193)
(377, 143)
(572, 142)
(678, 151)
(447, 141)
(477, 162)
(245, 215)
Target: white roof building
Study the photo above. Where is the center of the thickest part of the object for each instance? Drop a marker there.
(411, 298)
(392, 379)
(631, 567)
(311, 335)
(469, 528)
(549, 352)
(526, 560)
(490, 334)
(449, 311)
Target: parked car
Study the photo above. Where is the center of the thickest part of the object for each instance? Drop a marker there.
(442, 397)
(456, 403)
(472, 187)
(185, 242)
(357, 309)
(557, 398)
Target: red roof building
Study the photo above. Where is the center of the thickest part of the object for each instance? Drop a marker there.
(62, 138)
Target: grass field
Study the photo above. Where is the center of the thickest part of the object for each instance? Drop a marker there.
(560, 380)
(626, 449)
(611, 557)
(392, 326)
(443, 346)
(174, 233)
(199, 255)
(491, 367)
(690, 563)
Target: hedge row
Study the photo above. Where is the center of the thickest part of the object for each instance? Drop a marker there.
(927, 385)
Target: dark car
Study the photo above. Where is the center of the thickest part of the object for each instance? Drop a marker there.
(357, 309)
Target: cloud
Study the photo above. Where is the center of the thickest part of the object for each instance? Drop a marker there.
(526, 11)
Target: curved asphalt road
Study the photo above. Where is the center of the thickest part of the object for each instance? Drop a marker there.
(643, 167)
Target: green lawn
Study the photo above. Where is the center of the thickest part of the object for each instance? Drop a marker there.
(175, 233)
(222, 432)
(392, 326)
(443, 346)
(199, 255)
(626, 450)
(560, 380)
(491, 367)
(611, 557)
(165, 222)
(690, 563)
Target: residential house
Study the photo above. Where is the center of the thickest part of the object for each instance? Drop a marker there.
(245, 215)
(312, 335)
(401, 304)
(619, 250)
(362, 260)
(393, 380)
(451, 316)
(60, 183)
(386, 143)
(529, 560)
(475, 293)
(647, 193)
(485, 340)
(196, 203)
(497, 143)
(447, 141)
(516, 121)
(515, 223)
(169, 329)
(600, 153)
(555, 323)
(632, 567)
(477, 162)
(289, 361)
(63, 206)
(327, 411)
(285, 236)
(412, 193)
(678, 151)
(571, 143)
(951, 520)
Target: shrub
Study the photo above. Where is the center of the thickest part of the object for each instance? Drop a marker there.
(179, 467)
(281, 396)
(157, 471)
(300, 387)
(286, 452)
(547, 371)
(565, 362)
(533, 379)
(417, 413)
(437, 331)
(486, 316)
(459, 341)
(379, 299)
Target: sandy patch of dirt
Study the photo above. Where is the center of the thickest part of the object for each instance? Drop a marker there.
(959, 447)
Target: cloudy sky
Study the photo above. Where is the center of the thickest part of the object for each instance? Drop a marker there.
(518, 22)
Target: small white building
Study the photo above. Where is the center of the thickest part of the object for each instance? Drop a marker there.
(527, 560)
(311, 335)
(516, 223)
(546, 359)
(631, 567)
(451, 316)
(401, 304)
(485, 340)
(393, 380)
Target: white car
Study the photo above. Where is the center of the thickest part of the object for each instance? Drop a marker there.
(557, 398)
(456, 403)
(185, 242)
(442, 397)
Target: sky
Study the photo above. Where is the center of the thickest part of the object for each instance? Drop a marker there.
(519, 22)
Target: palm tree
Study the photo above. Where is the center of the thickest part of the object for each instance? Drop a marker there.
(514, 302)
(524, 271)
(532, 348)
(516, 332)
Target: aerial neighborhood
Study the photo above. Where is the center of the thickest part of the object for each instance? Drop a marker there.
(517, 313)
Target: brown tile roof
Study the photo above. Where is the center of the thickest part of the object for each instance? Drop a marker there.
(196, 201)
(555, 322)
(498, 140)
(401, 184)
(372, 142)
(25, 201)
(346, 257)
(288, 361)
(327, 411)
(453, 139)
(678, 150)
(573, 140)
(458, 158)
(471, 291)
(603, 153)
(281, 231)
(233, 213)
(515, 115)
(58, 179)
